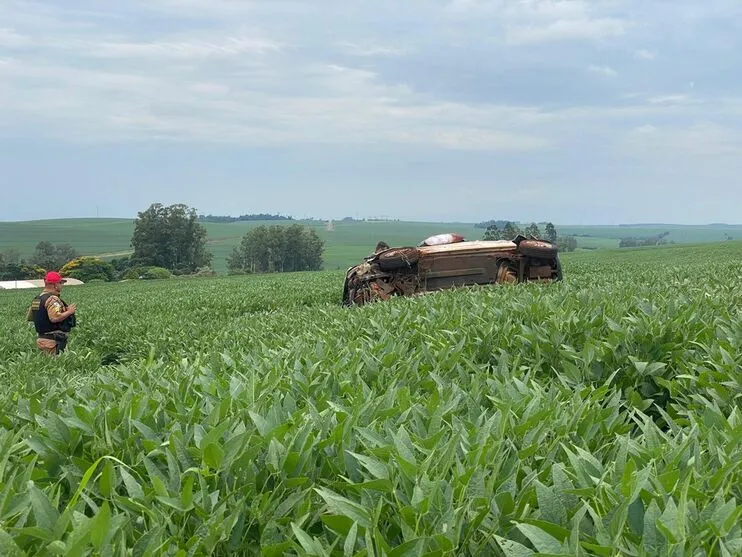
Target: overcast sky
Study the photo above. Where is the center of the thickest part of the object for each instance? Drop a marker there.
(596, 111)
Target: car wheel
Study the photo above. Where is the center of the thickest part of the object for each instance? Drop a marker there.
(398, 258)
(537, 248)
(506, 273)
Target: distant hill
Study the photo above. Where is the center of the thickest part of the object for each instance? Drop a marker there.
(346, 242)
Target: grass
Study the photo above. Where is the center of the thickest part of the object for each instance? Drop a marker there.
(678, 233)
(255, 416)
(88, 236)
(344, 246)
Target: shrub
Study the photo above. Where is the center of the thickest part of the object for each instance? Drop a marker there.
(88, 268)
(156, 273)
(132, 273)
(21, 271)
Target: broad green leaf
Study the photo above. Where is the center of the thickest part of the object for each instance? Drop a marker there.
(341, 505)
(652, 539)
(100, 526)
(107, 481)
(132, 486)
(725, 518)
(377, 468)
(544, 543)
(310, 545)
(636, 517)
(350, 541)
(45, 514)
(512, 548)
(550, 506)
(8, 545)
(670, 524)
(213, 455)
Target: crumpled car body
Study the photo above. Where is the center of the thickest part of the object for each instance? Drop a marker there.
(407, 271)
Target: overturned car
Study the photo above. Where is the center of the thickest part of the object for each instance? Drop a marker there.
(447, 261)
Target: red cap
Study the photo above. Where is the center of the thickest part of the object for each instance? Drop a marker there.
(54, 278)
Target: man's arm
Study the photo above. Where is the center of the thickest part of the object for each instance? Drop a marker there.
(54, 309)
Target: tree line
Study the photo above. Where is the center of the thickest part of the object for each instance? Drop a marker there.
(656, 240)
(507, 230)
(242, 218)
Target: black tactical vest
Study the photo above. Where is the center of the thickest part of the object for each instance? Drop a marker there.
(41, 316)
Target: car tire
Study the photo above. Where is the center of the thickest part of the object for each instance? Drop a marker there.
(506, 273)
(398, 258)
(538, 248)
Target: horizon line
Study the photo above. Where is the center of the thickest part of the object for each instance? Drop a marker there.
(397, 219)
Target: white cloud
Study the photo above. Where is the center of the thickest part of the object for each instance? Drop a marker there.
(643, 54)
(532, 22)
(645, 129)
(603, 70)
(522, 9)
(705, 139)
(371, 49)
(669, 99)
(216, 89)
(200, 8)
(9, 38)
(567, 29)
(551, 9)
(187, 49)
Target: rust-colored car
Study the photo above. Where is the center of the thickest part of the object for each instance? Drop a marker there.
(406, 271)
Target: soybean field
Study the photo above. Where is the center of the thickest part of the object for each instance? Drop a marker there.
(254, 415)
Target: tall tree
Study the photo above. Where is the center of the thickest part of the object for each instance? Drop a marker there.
(294, 246)
(533, 230)
(492, 233)
(65, 253)
(312, 253)
(44, 256)
(170, 237)
(277, 248)
(510, 231)
(567, 243)
(52, 257)
(10, 256)
(551, 233)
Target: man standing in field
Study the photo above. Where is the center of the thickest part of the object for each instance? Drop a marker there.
(52, 317)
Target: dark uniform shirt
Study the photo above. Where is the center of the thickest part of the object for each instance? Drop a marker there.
(54, 308)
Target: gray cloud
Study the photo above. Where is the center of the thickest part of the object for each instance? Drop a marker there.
(239, 74)
(559, 81)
